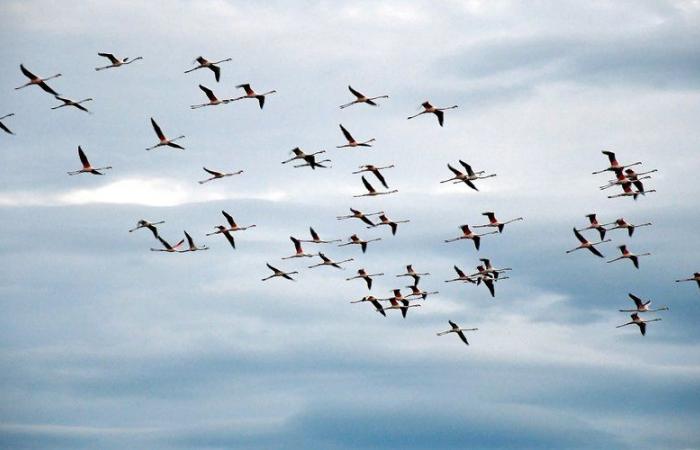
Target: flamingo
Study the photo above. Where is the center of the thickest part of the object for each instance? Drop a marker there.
(595, 225)
(206, 64)
(461, 276)
(167, 247)
(213, 100)
(369, 298)
(417, 292)
(250, 93)
(300, 154)
(351, 140)
(376, 171)
(428, 108)
(192, 247)
(642, 324)
(299, 251)
(326, 261)
(629, 175)
(469, 234)
(488, 268)
(355, 240)
(587, 244)
(371, 192)
(116, 62)
(399, 302)
(2, 125)
(233, 226)
(69, 102)
(357, 214)
(362, 273)
(164, 141)
(467, 178)
(493, 222)
(87, 168)
(695, 277)
(279, 273)
(310, 161)
(316, 239)
(361, 98)
(216, 175)
(626, 254)
(628, 192)
(635, 179)
(456, 329)
(146, 224)
(384, 220)
(411, 272)
(621, 223)
(38, 81)
(488, 278)
(613, 163)
(642, 306)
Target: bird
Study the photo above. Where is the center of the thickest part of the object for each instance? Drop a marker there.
(493, 222)
(87, 168)
(461, 276)
(626, 254)
(316, 239)
(635, 179)
(163, 141)
(69, 102)
(628, 192)
(642, 306)
(233, 226)
(351, 140)
(38, 81)
(417, 292)
(371, 192)
(428, 108)
(467, 178)
(642, 324)
(399, 302)
(595, 225)
(488, 268)
(2, 125)
(326, 261)
(206, 64)
(213, 100)
(375, 171)
(116, 62)
(695, 277)
(250, 93)
(299, 253)
(357, 214)
(362, 273)
(369, 298)
(585, 243)
(393, 224)
(456, 329)
(216, 175)
(613, 163)
(146, 224)
(469, 234)
(191, 245)
(361, 98)
(310, 161)
(488, 280)
(410, 272)
(622, 177)
(166, 246)
(279, 273)
(622, 224)
(355, 240)
(300, 154)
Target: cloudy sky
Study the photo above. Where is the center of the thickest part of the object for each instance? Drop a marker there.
(104, 344)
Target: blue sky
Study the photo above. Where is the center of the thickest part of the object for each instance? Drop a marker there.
(104, 344)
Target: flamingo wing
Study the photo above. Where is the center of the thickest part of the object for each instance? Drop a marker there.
(83, 158)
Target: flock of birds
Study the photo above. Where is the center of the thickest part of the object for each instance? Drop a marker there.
(625, 177)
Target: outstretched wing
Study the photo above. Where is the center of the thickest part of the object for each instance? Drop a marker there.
(355, 93)
(157, 129)
(467, 167)
(346, 133)
(27, 73)
(229, 218)
(212, 172)
(580, 237)
(83, 158)
(380, 177)
(367, 185)
(637, 301)
(109, 56)
(208, 92)
(595, 252)
(314, 235)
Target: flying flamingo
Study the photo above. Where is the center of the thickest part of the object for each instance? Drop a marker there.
(393, 224)
(469, 234)
(279, 273)
(642, 306)
(695, 277)
(355, 240)
(373, 300)
(428, 108)
(362, 273)
(116, 62)
(628, 192)
(456, 329)
(191, 245)
(626, 254)
(146, 224)
(411, 272)
(636, 320)
(357, 214)
(467, 178)
(163, 141)
(399, 302)
(299, 253)
(233, 226)
(621, 223)
(213, 100)
(417, 292)
(326, 261)
(351, 140)
(87, 168)
(2, 125)
(300, 154)
(310, 161)
(461, 276)
(595, 226)
(587, 244)
(371, 192)
(376, 171)
(487, 278)
(493, 222)
(216, 175)
(69, 102)
(614, 165)
(166, 246)
(628, 176)
(206, 64)
(316, 239)
(361, 98)
(35, 80)
(488, 268)
(250, 93)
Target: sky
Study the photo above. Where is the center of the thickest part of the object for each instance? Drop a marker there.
(105, 344)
